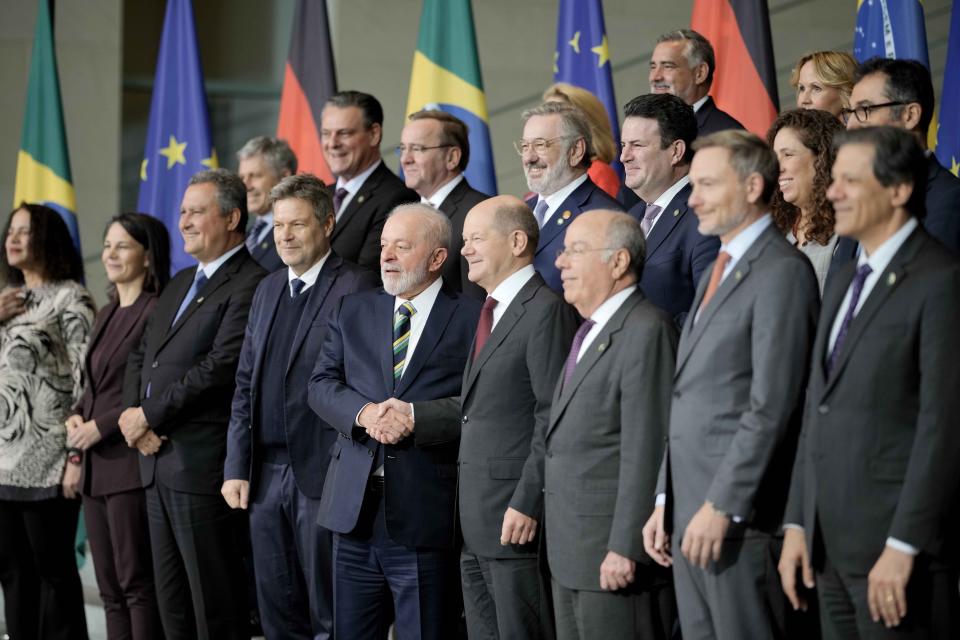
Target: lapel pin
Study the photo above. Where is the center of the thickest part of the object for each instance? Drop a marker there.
(891, 279)
(738, 275)
(200, 300)
(360, 199)
(603, 345)
(263, 245)
(566, 215)
(676, 212)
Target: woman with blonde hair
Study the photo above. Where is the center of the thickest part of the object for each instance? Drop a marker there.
(824, 80)
(605, 147)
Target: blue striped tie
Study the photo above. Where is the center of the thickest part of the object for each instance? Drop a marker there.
(401, 338)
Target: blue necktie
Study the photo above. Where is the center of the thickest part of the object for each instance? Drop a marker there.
(254, 236)
(858, 281)
(296, 286)
(401, 339)
(198, 282)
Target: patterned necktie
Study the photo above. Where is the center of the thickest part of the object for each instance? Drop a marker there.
(254, 236)
(296, 286)
(540, 212)
(198, 282)
(338, 197)
(484, 327)
(858, 280)
(401, 338)
(578, 339)
(723, 259)
(649, 215)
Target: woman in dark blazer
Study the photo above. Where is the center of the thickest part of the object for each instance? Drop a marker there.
(136, 256)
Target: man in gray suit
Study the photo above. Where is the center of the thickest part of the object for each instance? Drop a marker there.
(734, 420)
(873, 500)
(524, 333)
(604, 439)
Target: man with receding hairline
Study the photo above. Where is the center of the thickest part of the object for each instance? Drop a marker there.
(500, 415)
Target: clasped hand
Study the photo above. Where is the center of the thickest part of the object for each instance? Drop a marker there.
(388, 422)
(137, 432)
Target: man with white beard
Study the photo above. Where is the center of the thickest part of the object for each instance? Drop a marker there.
(556, 149)
(390, 490)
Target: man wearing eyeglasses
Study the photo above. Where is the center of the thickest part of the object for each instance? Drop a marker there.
(899, 93)
(351, 128)
(556, 149)
(434, 150)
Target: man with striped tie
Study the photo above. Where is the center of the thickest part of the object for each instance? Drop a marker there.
(390, 489)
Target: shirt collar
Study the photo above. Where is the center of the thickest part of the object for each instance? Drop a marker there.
(441, 194)
(667, 196)
(745, 239)
(699, 103)
(556, 198)
(309, 277)
(883, 254)
(423, 301)
(506, 291)
(601, 316)
(353, 184)
(211, 267)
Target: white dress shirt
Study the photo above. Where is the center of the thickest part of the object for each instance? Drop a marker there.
(555, 199)
(438, 196)
(601, 316)
(211, 267)
(699, 103)
(506, 291)
(667, 196)
(353, 185)
(308, 277)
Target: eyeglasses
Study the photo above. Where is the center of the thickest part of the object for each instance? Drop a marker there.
(417, 149)
(539, 145)
(863, 112)
(577, 251)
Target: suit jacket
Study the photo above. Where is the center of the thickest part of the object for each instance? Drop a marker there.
(604, 442)
(677, 256)
(456, 205)
(190, 368)
(584, 198)
(265, 253)
(501, 416)
(737, 390)
(711, 119)
(309, 439)
(880, 445)
(111, 466)
(356, 236)
(355, 367)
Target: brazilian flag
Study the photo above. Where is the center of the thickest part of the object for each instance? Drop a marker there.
(446, 76)
(43, 165)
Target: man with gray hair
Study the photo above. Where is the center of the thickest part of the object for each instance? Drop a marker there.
(278, 450)
(390, 491)
(178, 386)
(683, 64)
(556, 149)
(604, 439)
(263, 162)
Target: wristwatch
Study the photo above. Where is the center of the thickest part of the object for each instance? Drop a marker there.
(74, 455)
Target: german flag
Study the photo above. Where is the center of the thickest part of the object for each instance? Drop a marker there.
(745, 82)
(308, 80)
(43, 164)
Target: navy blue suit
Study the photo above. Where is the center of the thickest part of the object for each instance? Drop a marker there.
(414, 516)
(677, 256)
(711, 119)
(584, 198)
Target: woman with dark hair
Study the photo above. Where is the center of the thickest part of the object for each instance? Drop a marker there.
(803, 142)
(45, 318)
(136, 256)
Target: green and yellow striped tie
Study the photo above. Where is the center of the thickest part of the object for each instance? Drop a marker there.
(401, 338)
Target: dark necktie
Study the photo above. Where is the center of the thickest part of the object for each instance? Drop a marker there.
(401, 339)
(198, 282)
(578, 339)
(254, 236)
(338, 197)
(296, 286)
(649, 215)
(723, 259)
(858, 279)
(484, 327)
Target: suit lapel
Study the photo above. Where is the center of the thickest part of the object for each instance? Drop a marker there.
(669, 219)
(832, 298)
(271, 301)
(221, 277)
(317, 294)
(598, 349)
(704, 113)
(558, 222)
(364, 193)
(383, 334)
(103, 319)
(895, 273)
(451, 204)
(440, 314)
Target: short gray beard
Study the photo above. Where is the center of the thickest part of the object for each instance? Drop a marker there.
(403, 280)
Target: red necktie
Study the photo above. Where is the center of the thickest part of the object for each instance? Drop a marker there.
(723, 258)
(484, 327)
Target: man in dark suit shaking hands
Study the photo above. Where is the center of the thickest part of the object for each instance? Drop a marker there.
(178, 385)
(391, 486)
(873, 501)
(278, 449)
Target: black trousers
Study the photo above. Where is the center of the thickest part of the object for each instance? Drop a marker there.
(38, 570)
(197, 564)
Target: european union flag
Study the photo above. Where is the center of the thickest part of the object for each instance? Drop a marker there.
(948, 135)
(582, 57)
(178, 137)
(890, 29)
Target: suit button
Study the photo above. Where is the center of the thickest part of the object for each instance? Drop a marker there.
(823, 409)
(465, 420)
(155, 364)
(369, 453)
